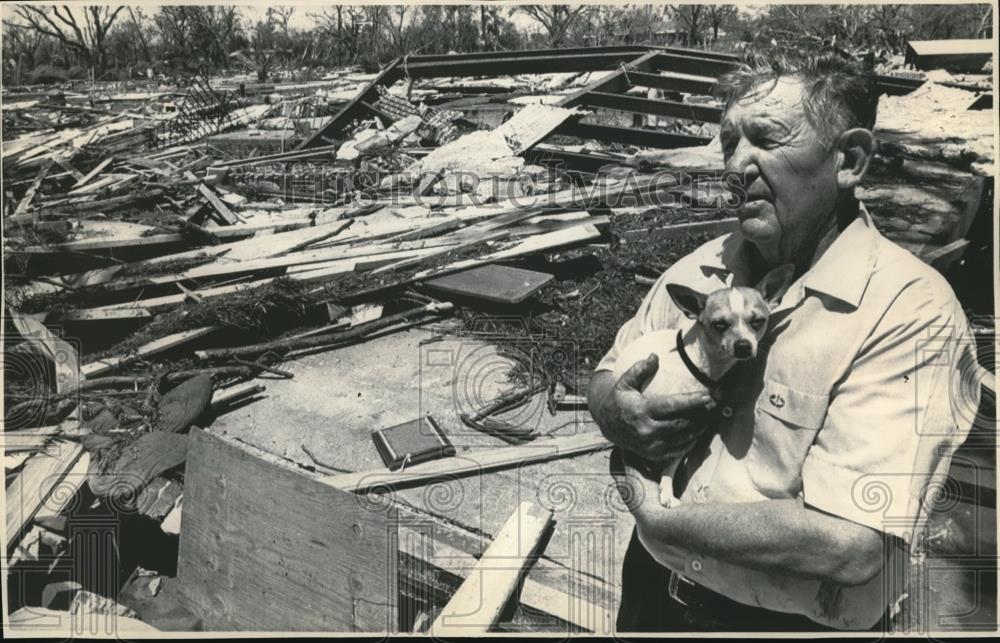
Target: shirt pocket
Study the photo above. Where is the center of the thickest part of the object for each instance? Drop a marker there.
(786, 420)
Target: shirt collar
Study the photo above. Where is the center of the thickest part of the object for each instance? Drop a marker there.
(845, 268)
(842, 271)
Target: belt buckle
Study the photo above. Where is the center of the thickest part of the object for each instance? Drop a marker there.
(673, 586)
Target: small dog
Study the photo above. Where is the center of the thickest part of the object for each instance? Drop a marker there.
(729, 324)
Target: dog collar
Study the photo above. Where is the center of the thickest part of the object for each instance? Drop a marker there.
(695, 371)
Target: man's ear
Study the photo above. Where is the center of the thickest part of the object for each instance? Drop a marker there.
(774, 284)
(690, 301)
(854, 147)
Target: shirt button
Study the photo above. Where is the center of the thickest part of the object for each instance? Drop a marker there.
(727, 411)
(696, 565)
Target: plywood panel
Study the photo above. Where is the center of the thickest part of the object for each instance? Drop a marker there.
(492, 282)
(265, 548)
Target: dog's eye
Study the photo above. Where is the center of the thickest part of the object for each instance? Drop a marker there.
(757, 323)
(720, 326)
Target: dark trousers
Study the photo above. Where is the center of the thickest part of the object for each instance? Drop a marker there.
(647, 606)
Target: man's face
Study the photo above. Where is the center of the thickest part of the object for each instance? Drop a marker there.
(791, 181)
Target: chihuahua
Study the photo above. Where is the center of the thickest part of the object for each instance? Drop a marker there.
(729, 324)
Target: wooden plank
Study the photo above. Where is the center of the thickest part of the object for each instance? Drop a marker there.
(102, 314)
(477, 604)
(94, 172)
(227, 215)
(492, 282)
(27, 494)
(475, 462)
(156, 346)
(268, 548)
(66, 165)
(720, 226)
(232, 233)
(22, 207)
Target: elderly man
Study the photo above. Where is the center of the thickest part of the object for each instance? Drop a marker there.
(798, 503)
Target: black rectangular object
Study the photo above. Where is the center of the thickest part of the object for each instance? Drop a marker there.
(412, 442)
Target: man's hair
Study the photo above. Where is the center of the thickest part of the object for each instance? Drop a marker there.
(838, 92)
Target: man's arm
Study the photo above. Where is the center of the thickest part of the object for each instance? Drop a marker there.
(778, 536)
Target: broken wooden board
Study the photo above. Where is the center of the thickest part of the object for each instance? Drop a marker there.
(476, 606)
(41, 476)
(493, 282)
(25, 203)
(470, 463)
(94, 172)
(227, 215)
(161, 344)
(719, 227)
(292, 554)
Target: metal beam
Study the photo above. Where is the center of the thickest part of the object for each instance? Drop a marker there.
(695, 65)
(699, 53)
(615, 83)
(671, 83)
(702, 113)
(522, 64)
(569, 161)
(630, 135)
(640, 62)
(635, 50)
(392, 72)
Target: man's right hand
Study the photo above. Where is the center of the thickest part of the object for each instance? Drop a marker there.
(629, 420)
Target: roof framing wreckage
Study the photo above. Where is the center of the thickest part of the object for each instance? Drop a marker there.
(689, 70)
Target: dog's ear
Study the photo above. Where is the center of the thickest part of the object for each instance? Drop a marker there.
(690, 301)
(774, 284)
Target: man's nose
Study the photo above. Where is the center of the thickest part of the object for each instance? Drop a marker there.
(743, 349)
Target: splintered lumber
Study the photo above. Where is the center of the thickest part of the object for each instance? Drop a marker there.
(66, 165)
(94, 172)
(454, 551)
(476, 606)
(25, 203)
(222, 397)
(471, 463)
(41, 475)
(290, 554)
(361, 330)
(103, 314)
(229, 233)
(530, 245)
(720, 226)
(152, 348)
(221, 208)
(294, 155)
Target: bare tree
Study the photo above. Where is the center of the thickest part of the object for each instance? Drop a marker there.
(719, 15)
(557, 19)
(20, 45)
(692, 17)
(219, 24)
(85, 35)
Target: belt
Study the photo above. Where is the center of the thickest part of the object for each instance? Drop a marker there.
(710, 606)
